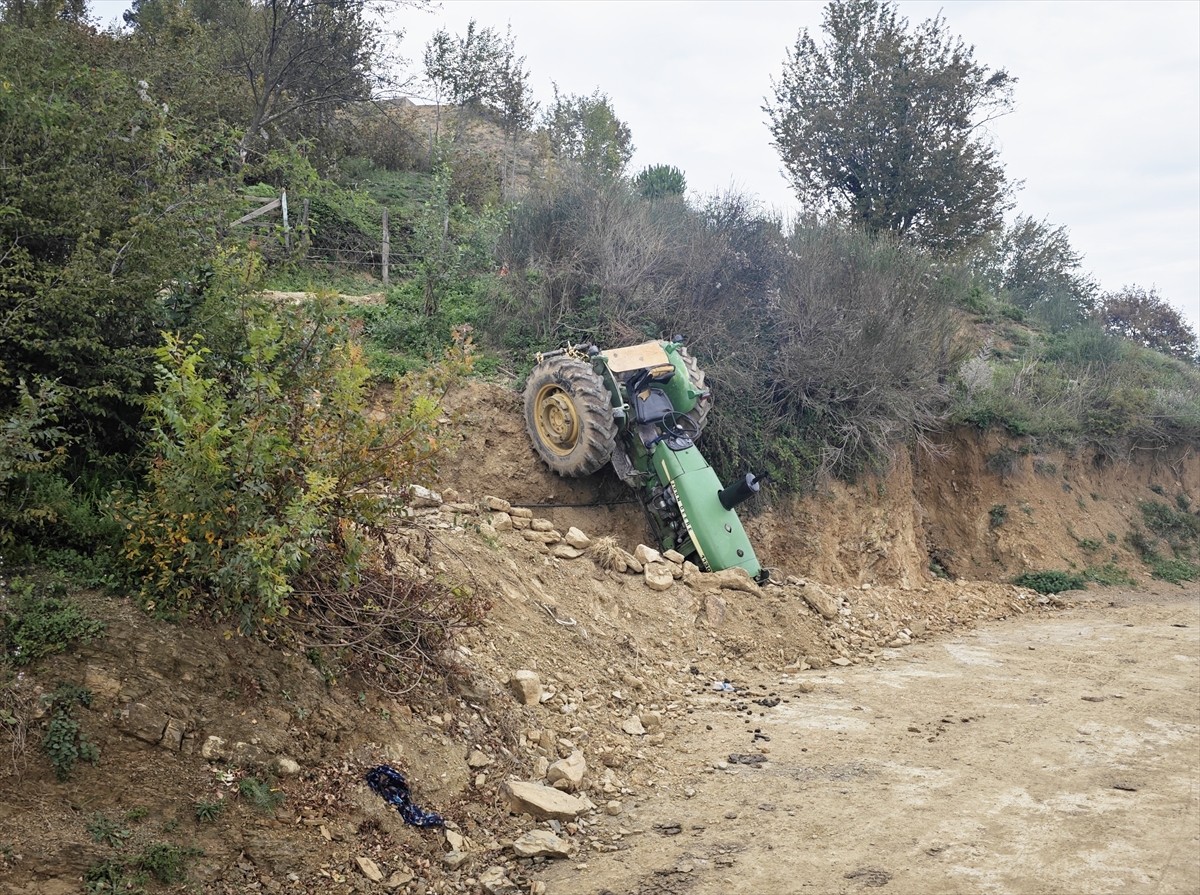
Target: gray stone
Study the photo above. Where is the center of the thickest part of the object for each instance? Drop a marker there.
(455, 859)
(577, 539)
(172, 738)
(651, 721)
(285, 767)
(478, 759)
(369, 869)
(143, 722)
(214, 749)
(646, 555)
(497, 504)
(567, 773)
(658, 576)
(423, 497)
(526, 686)
(543, 802)
(542, 525)
(541, 844)
(566, 551)
(674, 556)
(502, 522)
(494, 881)
(633, 726)
(820, 602)
(397, 879)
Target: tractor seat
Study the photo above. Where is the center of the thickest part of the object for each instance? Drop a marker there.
(650, 405)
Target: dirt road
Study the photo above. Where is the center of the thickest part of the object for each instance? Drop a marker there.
(1036, 756)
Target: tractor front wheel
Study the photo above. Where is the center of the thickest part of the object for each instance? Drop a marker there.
(569, 416)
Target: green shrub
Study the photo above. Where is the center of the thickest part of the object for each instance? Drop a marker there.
(1089, 545)
(206, 812)
(1176, 570)
(106, 831)
(1178, 528)
(1050, 581)
(38, 618)
(997, 515)
(64, 742)
(165, 862)
(260, 794)
(1109, 575)
(273, 470)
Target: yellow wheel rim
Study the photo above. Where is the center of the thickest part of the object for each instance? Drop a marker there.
(556, 420)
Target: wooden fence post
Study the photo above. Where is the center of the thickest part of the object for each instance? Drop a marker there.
(287, 233)
(387, 247)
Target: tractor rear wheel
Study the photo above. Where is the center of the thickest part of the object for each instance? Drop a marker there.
(699, 413)
(569, 416)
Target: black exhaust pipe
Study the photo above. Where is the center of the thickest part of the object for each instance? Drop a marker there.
(742, 491)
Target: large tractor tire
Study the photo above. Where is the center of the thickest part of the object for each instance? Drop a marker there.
(569, 416)
(699, 413)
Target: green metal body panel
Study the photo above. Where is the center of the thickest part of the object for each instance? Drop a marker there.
(715, 536)
(717, 533)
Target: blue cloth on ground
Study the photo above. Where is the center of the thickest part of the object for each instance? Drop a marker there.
(390, 784)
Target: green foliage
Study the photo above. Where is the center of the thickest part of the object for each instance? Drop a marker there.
(106, 831)
(1033, 265)
(448, 244)
(997, 515)
(107, 195)
(1108, 575)
(32, 449)
(40, 619)
(207, 812)
(275, 470)
(64, 742)
(165, 862)
(1175, 570)
(881, 124)
(1143, 317)
(113, 877)
(1179, 528)
(1050, 581)
(260, 794)
(480, 71)
(586, 131)
(659, 181)
(1089, 545)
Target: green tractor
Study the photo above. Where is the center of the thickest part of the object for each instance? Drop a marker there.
(642, 409)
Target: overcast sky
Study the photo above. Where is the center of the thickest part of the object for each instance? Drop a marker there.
(1105, 134)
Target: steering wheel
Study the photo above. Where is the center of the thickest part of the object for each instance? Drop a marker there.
(680, 425)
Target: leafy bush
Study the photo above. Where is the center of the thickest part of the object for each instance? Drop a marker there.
(38, 618)
(165, 862)
(1179, 528)
(997, 515)
(1110, 574)
(1174, 570)
(206, 812)
(272, 468)
(1050, 581)
(64, 742)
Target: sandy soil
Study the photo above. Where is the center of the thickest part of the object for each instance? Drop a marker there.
(1031, 756)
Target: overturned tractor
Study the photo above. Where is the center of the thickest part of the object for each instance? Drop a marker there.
(642, 409)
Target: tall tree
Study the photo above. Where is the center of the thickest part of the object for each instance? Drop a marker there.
(1033, 263)
(1144, 317)
(586, 130)
(298, 59)
(881, 123)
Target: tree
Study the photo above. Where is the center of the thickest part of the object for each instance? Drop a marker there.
(657, 181)
(586, 130)
(1143, 317)
(1034, 266)
(480, 71)
(297, 58)
(882, 124)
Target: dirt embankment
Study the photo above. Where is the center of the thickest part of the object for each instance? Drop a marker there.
(633, 689)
